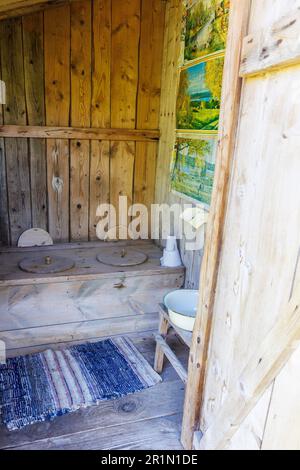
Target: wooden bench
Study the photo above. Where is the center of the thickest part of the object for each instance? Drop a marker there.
(90, 300)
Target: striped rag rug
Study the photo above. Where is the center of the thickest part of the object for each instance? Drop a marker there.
(39, 387)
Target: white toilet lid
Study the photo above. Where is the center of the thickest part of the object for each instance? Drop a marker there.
(35, 237)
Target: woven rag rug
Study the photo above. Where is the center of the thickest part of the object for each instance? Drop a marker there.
(39, 387)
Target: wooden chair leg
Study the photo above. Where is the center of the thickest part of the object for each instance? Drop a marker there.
(159, 353)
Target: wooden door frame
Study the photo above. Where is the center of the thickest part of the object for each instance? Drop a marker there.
(231, 98)
(278, 346)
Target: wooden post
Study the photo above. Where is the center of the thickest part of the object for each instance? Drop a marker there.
(231, 94)
(159, 353)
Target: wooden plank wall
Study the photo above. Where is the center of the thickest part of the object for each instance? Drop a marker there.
(88, 63)
(170, 76)
(260, 251)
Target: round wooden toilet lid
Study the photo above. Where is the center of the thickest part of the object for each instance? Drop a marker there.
(121, 256)
(46, 264)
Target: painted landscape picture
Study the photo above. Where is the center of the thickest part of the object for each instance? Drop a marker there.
(206, 28)
(193, 168)
(199, 96)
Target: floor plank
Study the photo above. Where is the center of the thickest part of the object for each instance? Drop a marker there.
(154, 434)
(152, 403)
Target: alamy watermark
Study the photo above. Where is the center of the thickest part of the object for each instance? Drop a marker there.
(137, 221)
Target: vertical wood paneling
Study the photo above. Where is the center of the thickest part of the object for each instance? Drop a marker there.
(57, 66)
(124, 83)
(91, 63)
(79, 189)
(121, 175)
(124, 62)
(16, 150)
(57, 87)
(81, 117)
(152, 31)
(81, 63)
(99, 180)
(150, 65)
(144, 173)
(4, 221)
(33, 43)
(100, 110)
(58, 188)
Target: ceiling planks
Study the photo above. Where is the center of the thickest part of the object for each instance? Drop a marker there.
(14, 8)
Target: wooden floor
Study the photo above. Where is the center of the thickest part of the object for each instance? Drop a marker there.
(148, 420)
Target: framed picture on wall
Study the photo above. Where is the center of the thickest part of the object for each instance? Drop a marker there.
(206, 27)
(199, 95)
(193, 167)
(199, 100)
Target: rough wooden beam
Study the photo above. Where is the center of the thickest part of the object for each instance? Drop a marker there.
(14, 8)
(259, 373)
(274, 48)
(238, 26)
(81, 133)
